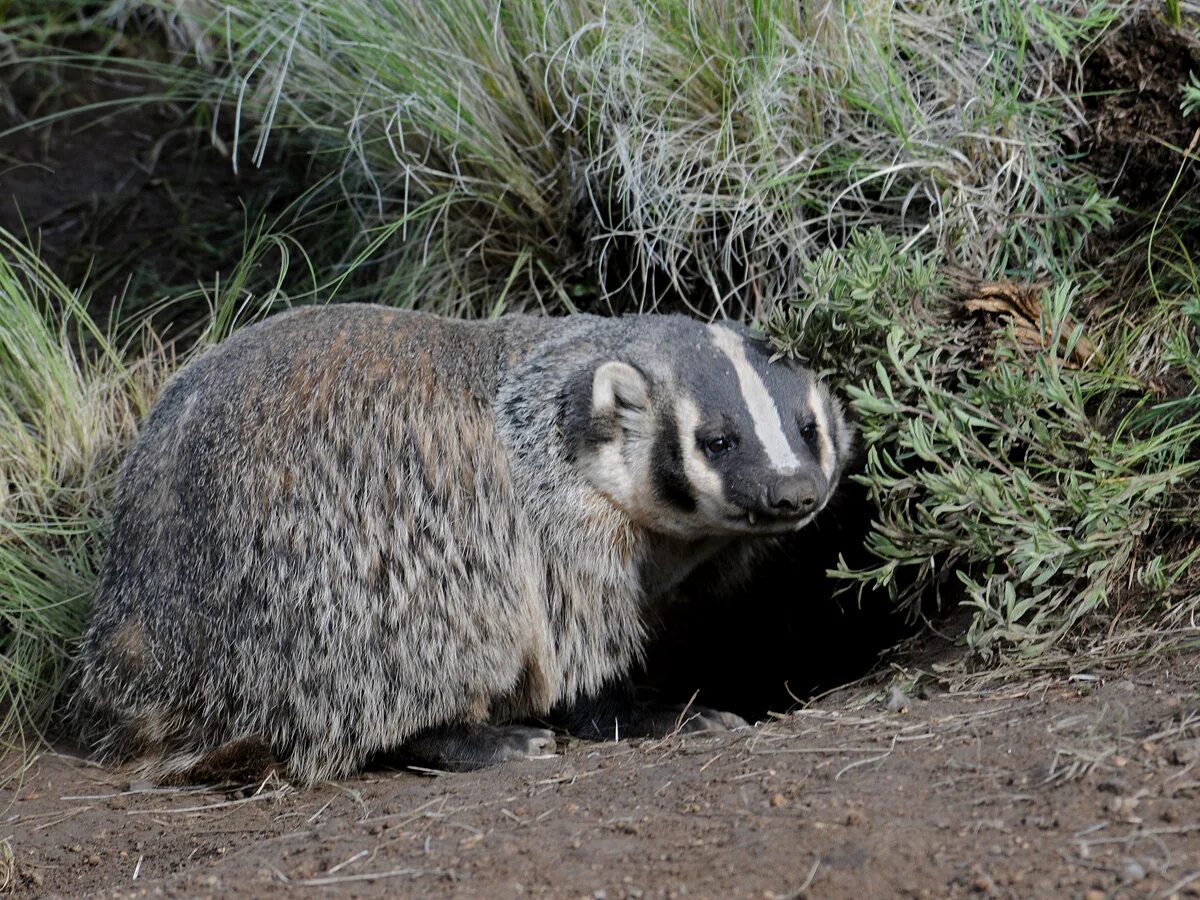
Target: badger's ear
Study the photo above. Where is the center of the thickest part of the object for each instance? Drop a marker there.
(619, 388)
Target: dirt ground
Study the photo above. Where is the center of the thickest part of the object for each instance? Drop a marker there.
(1084, 786)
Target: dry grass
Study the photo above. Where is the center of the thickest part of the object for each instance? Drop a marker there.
(552, 155)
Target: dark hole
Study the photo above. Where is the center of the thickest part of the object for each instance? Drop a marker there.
(787, 633)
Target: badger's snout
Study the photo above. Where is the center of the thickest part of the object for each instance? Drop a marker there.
(779, 499)
(791, 495)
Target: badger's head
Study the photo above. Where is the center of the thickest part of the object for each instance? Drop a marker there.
(707, 436)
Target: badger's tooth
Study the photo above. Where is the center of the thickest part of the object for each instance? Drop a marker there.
(753, 518)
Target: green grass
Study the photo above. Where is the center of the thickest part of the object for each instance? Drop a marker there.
(69, 406)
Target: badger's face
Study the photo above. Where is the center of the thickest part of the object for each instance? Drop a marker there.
(714, 438)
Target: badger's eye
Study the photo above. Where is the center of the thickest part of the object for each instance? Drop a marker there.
(719, 445)
(808, 431)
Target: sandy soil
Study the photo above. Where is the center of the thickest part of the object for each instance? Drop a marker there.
(1083, 786)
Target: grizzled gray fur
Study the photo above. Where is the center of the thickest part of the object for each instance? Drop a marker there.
(351, 530)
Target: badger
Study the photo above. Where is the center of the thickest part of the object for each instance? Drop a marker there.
(350, 531)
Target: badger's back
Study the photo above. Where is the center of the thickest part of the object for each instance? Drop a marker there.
(292, 490)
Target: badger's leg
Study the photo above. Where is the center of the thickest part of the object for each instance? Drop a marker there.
(462, 746)
(616, 713)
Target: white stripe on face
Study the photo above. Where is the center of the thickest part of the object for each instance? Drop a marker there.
(759, 402)
(700, 475)
(827, 455)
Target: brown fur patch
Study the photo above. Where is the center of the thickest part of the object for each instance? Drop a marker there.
(329, 376)
(379, 370)
(605, 516)
(478, 709)
(535, 686)
(130, 644)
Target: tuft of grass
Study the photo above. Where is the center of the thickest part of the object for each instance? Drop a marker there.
(609, 154)
(8, 866)
(69, 405)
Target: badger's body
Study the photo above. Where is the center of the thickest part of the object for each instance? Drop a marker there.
(350, 530)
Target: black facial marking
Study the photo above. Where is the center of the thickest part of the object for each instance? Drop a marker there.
(582, 431)
(670, 481)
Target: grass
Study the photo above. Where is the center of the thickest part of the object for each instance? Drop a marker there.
(69, 405)
(828, 170)
(611, 155)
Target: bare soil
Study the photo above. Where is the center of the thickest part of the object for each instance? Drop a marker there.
(1082, 786)
(1131, 94)
(122, 189)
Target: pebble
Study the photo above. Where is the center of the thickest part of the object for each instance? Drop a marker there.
(1133, 871)
(1123, 806)
(983, 884)
(897, 701)
(1185, 752)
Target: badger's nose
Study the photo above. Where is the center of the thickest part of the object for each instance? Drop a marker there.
(793, 495)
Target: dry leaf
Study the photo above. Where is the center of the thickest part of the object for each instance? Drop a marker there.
(1022, 304)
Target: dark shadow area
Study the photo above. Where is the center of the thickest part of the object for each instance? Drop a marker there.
(791, 632)
(1131, 92)
(124, 191)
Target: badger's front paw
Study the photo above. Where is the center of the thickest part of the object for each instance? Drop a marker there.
(615, 714)
(463, 746)
(520, 741)
(695, 719)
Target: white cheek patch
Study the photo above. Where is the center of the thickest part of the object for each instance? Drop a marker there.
(762, 408)
(827, 455)
(703, 479)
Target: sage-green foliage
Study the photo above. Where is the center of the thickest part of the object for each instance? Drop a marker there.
(1044, 493)
(1191, 95)
(530, 153)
